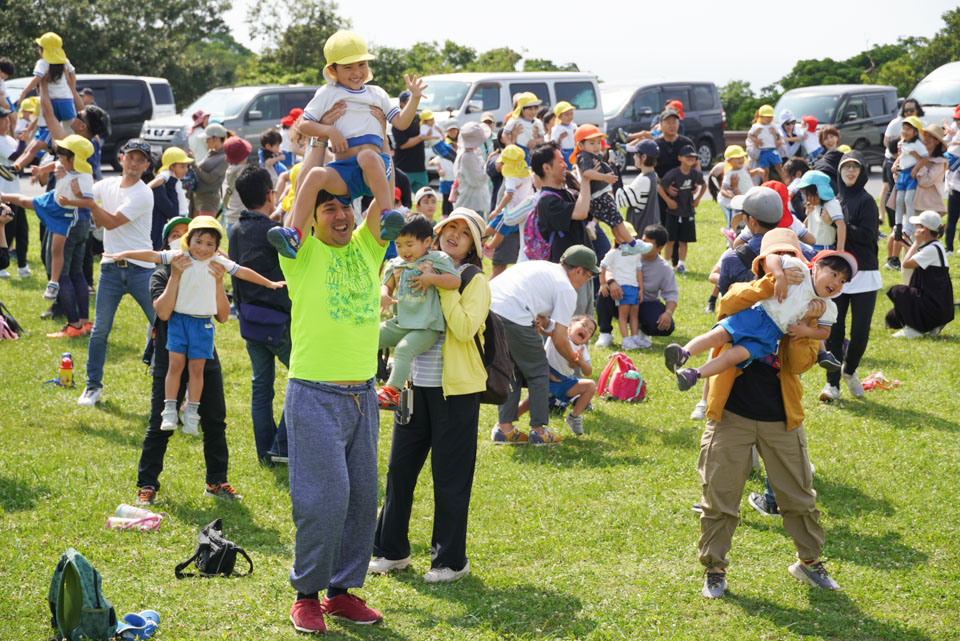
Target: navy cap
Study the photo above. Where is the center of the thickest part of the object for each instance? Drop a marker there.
(687, 150)
(648, 148)
(404, 96)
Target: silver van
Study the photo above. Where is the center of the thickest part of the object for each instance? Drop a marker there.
(939, 93)
(247, 111)
(466, 96)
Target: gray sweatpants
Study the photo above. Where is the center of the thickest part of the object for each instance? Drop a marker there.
(332, 442)
(408, 343)
(529, 359)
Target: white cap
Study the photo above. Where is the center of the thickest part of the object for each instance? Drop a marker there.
(929, 219)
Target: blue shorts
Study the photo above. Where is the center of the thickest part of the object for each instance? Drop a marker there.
(560, 389)
(351, 174)
(190, 335)
(566, 153)
(816, 152)
(526, 154)
(57, 219)
(755, 330)
(631, 295)
(445, 187)
(63, 110)
(768, 158)
(820, 248)
(906, 182)
(953, 162)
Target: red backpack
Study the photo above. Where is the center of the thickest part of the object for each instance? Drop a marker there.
(621, 381)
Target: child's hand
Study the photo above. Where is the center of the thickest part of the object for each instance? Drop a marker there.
(609, 178)
(338, 144)
(75, 188)
(379, 115)
(63, 201)
(214, 268)
(420, 283)
(815, 309)
(386, 302)
(276, 284)
(798, 330)
(414, 85)
(825, 217)
(180, 263)
(780, 288)
(671, 203)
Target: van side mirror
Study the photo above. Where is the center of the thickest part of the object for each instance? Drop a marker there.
(849, 116)
(473, 107)
(254, 115)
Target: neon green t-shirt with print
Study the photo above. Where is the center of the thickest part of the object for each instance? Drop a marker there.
(335, 313)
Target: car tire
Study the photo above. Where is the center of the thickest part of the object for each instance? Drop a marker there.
(619, 159)
(115, 156)
(705, 153)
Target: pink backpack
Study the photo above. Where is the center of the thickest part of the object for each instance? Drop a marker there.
(621, 381)
(535, 246)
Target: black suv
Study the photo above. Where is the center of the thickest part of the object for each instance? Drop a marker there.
(635, 107)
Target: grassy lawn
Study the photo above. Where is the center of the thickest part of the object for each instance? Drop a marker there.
(592, 539)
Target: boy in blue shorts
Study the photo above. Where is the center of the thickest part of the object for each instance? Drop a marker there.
(356, 137)
(766, 137)
(563, 384)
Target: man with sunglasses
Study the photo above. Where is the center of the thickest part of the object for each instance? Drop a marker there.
(125, 211)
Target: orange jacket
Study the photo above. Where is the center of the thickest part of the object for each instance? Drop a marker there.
(796, 355)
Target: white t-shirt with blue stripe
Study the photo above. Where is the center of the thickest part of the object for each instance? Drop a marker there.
(358, 125)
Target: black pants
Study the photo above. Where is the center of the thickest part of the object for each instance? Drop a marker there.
(953, 214)
(448, 427)
(213, 424)
(18, 231)
(606, 313)
(861, 313)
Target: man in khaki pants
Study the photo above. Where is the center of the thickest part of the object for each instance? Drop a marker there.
(759, 405)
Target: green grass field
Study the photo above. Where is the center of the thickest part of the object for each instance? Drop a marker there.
(592, 539)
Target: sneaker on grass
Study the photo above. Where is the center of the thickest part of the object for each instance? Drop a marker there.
(307, 616)
(446, 575)
(829, 393)
(24, 272)
(853, 384)
(222, 491)
(575, 423)
(90, 396)
(146, 496)
(814, 575)
(4, 274)
(548, 437)
(516, 437)
(605, 340)
(348, 607)
(759, 503)
(714, 585)
(382, 565)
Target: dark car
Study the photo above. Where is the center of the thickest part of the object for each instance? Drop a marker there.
(860, 113)
(636, 107)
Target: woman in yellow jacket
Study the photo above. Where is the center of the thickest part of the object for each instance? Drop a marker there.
(448, 380)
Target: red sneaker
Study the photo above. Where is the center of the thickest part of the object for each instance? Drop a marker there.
(389, 399)
(350, 608)
(307, 616)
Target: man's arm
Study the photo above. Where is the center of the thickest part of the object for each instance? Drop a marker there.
(581, 209)
(415, 86)
(223, 303)
(247, 274)
(561, 340)
(146, 255)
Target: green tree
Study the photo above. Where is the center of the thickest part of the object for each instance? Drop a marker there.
(294, 33)
(542, 64)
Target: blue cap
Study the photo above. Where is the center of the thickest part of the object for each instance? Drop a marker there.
(821, 181)
(648, 148)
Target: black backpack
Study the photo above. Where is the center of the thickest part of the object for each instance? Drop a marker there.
(77, 606)
(495, 355)
(8, 320)
(215, 555)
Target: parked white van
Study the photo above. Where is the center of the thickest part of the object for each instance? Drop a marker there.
(466, 96)
(939, 93)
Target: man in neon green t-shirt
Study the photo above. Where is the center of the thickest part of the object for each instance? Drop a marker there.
(331, 408)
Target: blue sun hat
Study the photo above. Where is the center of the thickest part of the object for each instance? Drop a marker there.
(138, 627)
(821, 181)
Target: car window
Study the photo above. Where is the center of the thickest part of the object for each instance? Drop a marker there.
(126, 95)
(875, 105)
(579, 94)
(645, 103)
(676, 93)
(99, 93)
(162, 93)
(269, 106)
(701, 98)
(294, 100)
(488, 95)
(855, 105)
(538, 88)
(890, 102)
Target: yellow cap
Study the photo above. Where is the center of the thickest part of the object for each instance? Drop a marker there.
(426, 114)
(844, 148)
(915, 122)
(514, 162)
(526, 99)
(52, 48)
(766, 110)
(287, 203)
(734, 151)
(562, 107)
(200, 222)
(29, 105)
(173, 156)
(344, 48)
(82, 150)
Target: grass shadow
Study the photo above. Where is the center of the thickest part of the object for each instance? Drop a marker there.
(237, 523)
(521, 611)
(831, 615)
(900, 417)
(17, 495)
(845, 501)
(114, 435)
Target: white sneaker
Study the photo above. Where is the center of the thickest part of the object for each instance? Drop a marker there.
(575, 423)
(191, 420)
(382, 565)
(907, 332)
(641, 341)
(605, 340)
(90, 396)
(168, 420)
(24, 272)
(628, 343)
(853, 384)
(699, 412)
(933, 333)
(446, 575)
(829, 393)
(4, 274)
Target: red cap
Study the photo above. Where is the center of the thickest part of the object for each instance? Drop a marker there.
(787, 219)
(397, 193)
(236, 150)
(676, 104)
(956, 113)
(291, 117)
(810, 122)
(847, 256)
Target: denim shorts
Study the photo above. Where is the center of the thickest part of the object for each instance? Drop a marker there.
(190, 335)
(351, 174)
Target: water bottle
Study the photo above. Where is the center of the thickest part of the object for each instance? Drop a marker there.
(125, 511)
(66, 370)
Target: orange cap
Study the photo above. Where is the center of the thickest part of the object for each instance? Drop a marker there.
(585, 132)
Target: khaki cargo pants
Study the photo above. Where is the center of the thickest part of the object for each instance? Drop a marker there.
(724, 465)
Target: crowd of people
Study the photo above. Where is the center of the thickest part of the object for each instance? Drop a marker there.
(338, 248)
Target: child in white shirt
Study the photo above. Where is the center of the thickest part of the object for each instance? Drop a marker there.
(811, 140)
(524, 129)
(737, 179)
(765, 135)
(564, 129)
(756, 331)
(173, 166)
(913, 156)
(824, 214)
(627, 271)
(190, 330)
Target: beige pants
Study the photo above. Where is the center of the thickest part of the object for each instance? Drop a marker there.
(724, 465)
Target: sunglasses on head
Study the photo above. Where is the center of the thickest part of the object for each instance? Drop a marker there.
(909, 110)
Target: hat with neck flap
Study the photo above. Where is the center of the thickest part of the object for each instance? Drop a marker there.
(345, 48)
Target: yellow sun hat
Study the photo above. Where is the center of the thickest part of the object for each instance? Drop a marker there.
(287, 203)
(526, 99)
(562, 107)
(200, 222)
(52, 45)
(345, 48)
(426, 114)
(173, 156)
(766, 111)
(82, 150)
(914, 122)
(514, 162)
(844, 148)
(29, 105)
(734, 151)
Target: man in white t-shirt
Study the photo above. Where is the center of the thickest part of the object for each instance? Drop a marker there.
(124, 208)
(520, 295)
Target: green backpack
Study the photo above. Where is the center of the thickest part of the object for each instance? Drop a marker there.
(79, 609)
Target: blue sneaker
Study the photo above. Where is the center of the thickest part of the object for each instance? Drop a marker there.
(547, 438)
(285, 240)
(391, 222)
(638, 247)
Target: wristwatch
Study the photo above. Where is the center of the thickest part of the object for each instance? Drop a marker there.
(316, 142)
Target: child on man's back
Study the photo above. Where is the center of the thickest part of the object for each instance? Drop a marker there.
(190, 331)
(782, 308)
(410, 280)
(357, 137)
